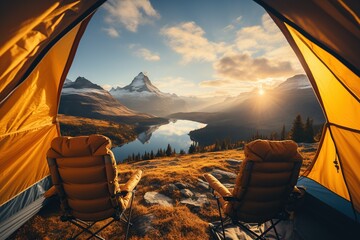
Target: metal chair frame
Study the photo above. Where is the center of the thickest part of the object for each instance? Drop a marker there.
(85, 227)
(228, 220)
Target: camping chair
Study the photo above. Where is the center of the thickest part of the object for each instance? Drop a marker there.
(84, 173)
(265, 181)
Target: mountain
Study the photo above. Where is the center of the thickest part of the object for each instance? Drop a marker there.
(141, 95)
(83, 98)
(251, 112)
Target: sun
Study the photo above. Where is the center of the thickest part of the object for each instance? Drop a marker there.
(261, 91)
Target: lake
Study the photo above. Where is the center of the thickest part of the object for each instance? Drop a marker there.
(174, 133)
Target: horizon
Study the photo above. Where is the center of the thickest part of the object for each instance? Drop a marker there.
(203, 49)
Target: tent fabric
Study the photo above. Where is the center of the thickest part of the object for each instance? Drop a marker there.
(38, 41)
(325, 36)
(37, 46)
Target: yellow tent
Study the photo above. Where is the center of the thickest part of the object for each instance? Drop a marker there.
(325, 35)
(38, 40)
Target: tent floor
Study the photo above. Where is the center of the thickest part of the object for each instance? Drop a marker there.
(314, 220)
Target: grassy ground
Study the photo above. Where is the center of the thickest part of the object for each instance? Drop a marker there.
(178, 222)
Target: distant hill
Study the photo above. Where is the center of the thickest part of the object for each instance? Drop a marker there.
(141, 95)
(80, 126)
(243, 116)
(83, 98)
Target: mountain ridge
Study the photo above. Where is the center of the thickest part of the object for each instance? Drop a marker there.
(83, 98)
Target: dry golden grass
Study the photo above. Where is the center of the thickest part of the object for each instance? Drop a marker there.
(178, 222)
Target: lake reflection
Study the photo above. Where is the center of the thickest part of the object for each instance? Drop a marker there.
(174, 133)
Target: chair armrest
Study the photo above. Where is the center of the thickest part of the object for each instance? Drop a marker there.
(217, 186)
(132, 182)
(51, 192)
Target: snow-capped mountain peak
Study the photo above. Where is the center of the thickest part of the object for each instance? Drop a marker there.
(142, 83)
(299, 81)
(141, 95)
(140, 86)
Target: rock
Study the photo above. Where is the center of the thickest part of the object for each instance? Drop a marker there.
(220, 174)
(191, 202)
(196, 203)
(233, 162)
(201, 183)
(158, 198)
(170, 187)
(181, 185)
(186, 193)
(203, 200)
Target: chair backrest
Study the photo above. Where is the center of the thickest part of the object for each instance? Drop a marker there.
(266, 178)
(84, 173)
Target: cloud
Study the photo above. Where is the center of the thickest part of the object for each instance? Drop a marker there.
(176, 85)
(245, 67)
(112, 32)
(188, 40)
(260, 53)
(229, 27)
(264, 37)
(147, 54)
(238, 19)
(215, 83)
(130, 13)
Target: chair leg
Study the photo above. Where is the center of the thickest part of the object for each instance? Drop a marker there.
(96, 232)
(276, 233)
(221, 219)
(129, 218)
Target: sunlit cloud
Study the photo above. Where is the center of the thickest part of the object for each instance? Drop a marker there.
(262, 56)
(245, 67)
(188, 39)
(215, 83)
(176, 85)
(226, 87)
(112, 32)
(260, 38)
(147, 54)
(107, 87)
(258, 56)
(130, 13)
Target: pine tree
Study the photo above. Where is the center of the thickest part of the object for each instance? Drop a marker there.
(309, 131)
(297, 130)
(283, 133)
(192, 148)
(168, 150)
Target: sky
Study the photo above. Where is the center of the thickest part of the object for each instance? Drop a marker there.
(203, 48)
